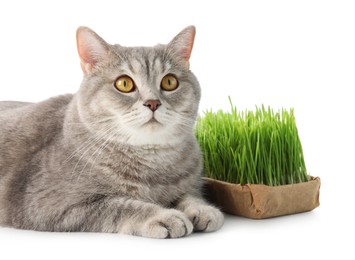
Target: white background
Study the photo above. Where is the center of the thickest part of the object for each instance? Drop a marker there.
(297, 54)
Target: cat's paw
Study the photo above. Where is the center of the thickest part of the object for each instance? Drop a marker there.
(205, 218)
(167, 224)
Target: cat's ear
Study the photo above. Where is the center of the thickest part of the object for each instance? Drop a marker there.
(180, 47)
(91, 48)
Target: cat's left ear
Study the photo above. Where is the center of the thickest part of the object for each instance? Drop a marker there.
(91, 48)
(180, 47)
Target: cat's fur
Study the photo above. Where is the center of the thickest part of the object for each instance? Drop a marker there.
(94, 161)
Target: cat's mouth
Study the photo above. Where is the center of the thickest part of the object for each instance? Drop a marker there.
(153, 121)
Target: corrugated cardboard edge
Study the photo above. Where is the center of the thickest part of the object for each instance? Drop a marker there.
(259, 201)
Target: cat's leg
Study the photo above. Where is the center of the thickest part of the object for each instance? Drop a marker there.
(127, 216)
(204, 217)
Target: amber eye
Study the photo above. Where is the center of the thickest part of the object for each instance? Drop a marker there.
(169, 83)
(124, 84)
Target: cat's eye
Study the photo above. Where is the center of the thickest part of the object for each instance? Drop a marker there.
(124, 84)
(169, 83)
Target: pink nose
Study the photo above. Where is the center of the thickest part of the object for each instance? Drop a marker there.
(152, 104)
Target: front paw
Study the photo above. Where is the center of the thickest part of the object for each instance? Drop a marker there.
(167, 224)
(205, 218)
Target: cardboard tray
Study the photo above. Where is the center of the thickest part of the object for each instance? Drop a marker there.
(260, 201)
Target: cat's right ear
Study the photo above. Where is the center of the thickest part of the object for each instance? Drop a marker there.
(181, 46)
(91, 48)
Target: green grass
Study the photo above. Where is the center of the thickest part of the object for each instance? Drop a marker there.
(252, 147)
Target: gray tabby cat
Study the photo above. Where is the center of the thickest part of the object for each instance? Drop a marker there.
(118, 156)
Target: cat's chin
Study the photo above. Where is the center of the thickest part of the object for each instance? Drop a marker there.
(152, 140)
(153, 133)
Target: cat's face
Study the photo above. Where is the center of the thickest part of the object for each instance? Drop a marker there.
(139, 95)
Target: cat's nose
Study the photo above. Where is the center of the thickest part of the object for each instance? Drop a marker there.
(152, 104)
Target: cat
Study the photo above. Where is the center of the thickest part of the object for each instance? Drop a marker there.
(118, 156)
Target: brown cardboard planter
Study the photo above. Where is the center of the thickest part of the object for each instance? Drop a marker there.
(259, 201)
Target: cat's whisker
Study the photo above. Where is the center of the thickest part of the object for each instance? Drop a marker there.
(98, 151)
(99, 122)
(178, 118)
(131, 114)
(133, 120)
(80, 158)
(104, 146)
(97, 135)
(88, 142)
(83, 167)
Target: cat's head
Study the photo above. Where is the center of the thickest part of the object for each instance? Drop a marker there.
(138, 95)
